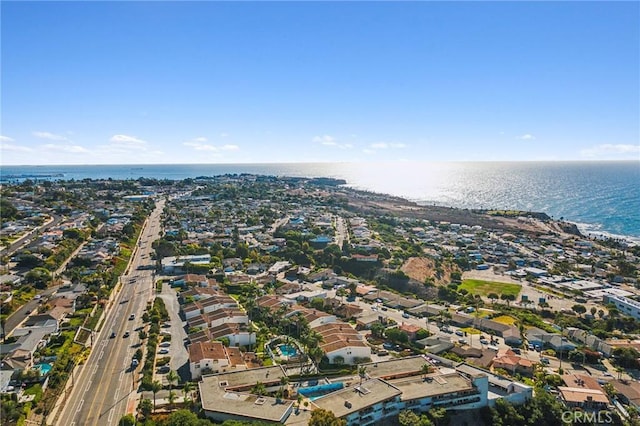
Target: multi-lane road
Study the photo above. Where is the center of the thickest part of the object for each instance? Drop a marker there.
(106, 384)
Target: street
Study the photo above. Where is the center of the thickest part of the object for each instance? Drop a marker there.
(103, 387)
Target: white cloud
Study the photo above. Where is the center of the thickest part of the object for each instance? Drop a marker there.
(527, 137)
(13, 147)
(379, 145)
(6, 139)
(368, 151)
(325, 140)
(49, 136)
(224, 135)
(74, 149)
(385, 145)
(126, 139)
(608, 150)
(199, 144)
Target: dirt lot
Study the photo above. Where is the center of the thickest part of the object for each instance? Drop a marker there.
(421, 268)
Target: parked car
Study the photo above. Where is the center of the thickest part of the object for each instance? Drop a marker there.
(484, 341)
(126, 334)
(163, 351)
(405, 315)
(459, 333)
(113, 335)
(132, 317)
(462, 341)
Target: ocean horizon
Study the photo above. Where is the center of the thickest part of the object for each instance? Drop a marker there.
(602, 197)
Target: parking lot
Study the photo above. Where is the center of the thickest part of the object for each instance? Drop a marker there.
(175, 348)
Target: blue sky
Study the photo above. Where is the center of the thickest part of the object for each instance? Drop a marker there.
(209, 82)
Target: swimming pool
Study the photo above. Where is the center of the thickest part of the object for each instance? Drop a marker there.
(315, 392)
(44, 368)
(288, 350)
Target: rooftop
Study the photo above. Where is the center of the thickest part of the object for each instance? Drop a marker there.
(355, 398)
(416, 387)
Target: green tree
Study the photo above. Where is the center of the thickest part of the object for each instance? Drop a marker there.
(493, 297)
(377, 330)
(438, 416)
(579, 309)
(362, 372)
(127, 420)
(322, 417)
(39, 277)
(171, 398)
(507, 298)
(397, 335)
(146, 407)
(171, 377)
(156, 387)
(186, 390)
(185, 418)
(259, 389)
(409, 418)
(422, 334)
(7, 210)
(425, 369)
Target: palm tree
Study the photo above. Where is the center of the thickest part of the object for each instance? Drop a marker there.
(171, 377)
(362, 372)
(156, 387)
(172, 398)
(187, 389)
(145, 408)
(425, 369)
(259, 389)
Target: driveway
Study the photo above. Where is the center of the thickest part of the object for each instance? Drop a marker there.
(177, 351)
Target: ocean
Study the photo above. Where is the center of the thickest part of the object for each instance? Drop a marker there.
(601, 197)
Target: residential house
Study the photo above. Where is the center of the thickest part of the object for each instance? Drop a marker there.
(509, 361)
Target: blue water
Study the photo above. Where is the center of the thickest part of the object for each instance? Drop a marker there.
(44, 368)
(288, 350)
(315, 392)
(600, 196)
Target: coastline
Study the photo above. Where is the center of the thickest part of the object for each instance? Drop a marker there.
(598, 197)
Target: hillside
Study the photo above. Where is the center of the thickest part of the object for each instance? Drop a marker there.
(421, 268)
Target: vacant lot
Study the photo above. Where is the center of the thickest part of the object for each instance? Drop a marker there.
(484, 288)
(505, 319)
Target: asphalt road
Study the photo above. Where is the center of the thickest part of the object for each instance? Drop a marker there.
(19, 315)
(103, 387)
(30, 236)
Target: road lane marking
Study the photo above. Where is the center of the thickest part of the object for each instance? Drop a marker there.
(110, 418)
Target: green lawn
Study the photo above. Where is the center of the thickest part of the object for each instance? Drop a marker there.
(483, 288)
